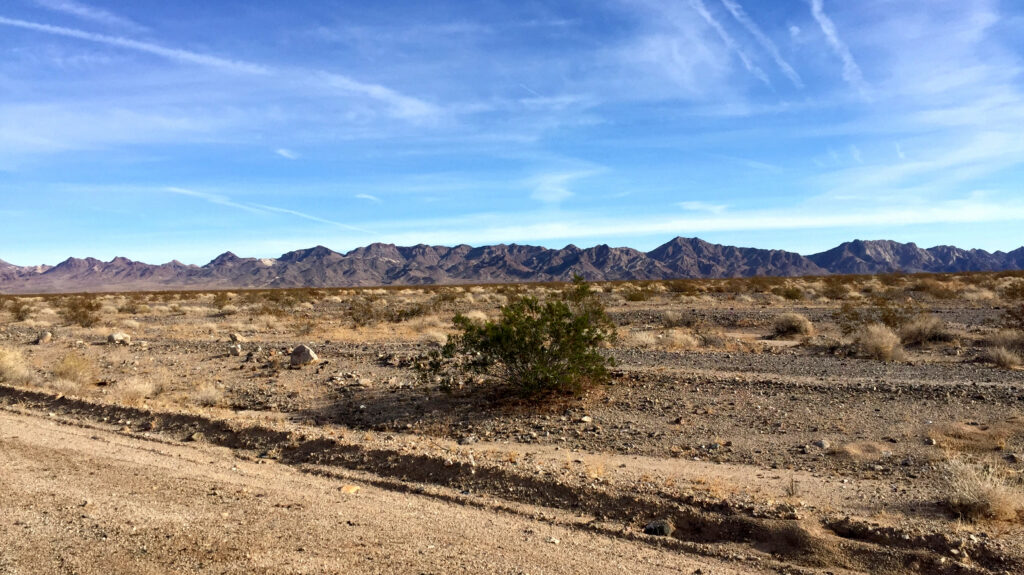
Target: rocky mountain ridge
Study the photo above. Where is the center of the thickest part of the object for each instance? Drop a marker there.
(388, 264)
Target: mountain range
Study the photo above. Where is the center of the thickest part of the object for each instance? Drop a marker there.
(387, 264)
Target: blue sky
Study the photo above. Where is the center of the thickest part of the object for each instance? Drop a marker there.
(159, 130)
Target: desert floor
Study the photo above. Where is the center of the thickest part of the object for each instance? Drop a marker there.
(778, 425)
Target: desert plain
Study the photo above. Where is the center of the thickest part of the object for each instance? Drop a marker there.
(838, 424)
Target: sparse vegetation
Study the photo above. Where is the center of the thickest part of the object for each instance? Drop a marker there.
(81, 310)
(1003, 357)
(978, 492)
(20, 310)
(708, 376)
(75, 367)
(791, 293)
(540, 348)
(924, 329)
(13, 369)
(878, 341)
(792, 324)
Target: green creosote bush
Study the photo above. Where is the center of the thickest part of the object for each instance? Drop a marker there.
(540, 348)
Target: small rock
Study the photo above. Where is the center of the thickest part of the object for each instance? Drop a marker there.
(44, 338)
(350, 489)
(302, 355)
(929, 441)
(553, 540)
(660, 528)
(197, 436)
(235, 350)
(586, 419)
(821, 443)
(119, 338)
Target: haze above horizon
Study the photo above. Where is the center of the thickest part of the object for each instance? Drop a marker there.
(161, 131)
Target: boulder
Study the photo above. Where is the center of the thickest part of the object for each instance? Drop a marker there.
(302, 355)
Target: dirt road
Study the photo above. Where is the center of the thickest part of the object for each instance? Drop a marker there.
(82, 499)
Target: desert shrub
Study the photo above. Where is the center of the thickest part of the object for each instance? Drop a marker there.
(934, 288)
(207, 396)
(63, 386)
(791, 293)
(1002, 357)
(878, 341)
(836, 288)
(712, 337)
(1014, 291)
(81, 310)
(684, 287)
(790, 324)
(20, 310)
(923, 329)
(892, 279)
(642, 294)
(883, 309)
(74, 367)
(304, 326)
(672, 318)
(1013, 318)
(540, 348)
(678, 339)
(977, 492)
(133, 305)
(13, 368)
(221, 299)
(1012, 340)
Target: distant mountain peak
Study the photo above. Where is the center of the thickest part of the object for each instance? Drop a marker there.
(223, 259)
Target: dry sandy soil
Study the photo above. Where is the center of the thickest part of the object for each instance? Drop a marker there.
(844, 450)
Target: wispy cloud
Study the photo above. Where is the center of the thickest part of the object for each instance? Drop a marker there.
(175, 54)
(855, 154)
(212, 198)
(286, 153)
(741, 16)
(402, 106)
(368, 197)
(309, 217)
(701, 9)
(553, 188)
(851, 71)
(90, 13)
(255, 208)
(703, 207)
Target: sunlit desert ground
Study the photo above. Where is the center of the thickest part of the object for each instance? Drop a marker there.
(852, 424)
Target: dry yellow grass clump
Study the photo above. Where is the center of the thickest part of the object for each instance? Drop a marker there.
(924, 329)
(1003, 357)
(792, 324)
(75, 368)
(13, 368)
(977, 492)
(878, 341)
